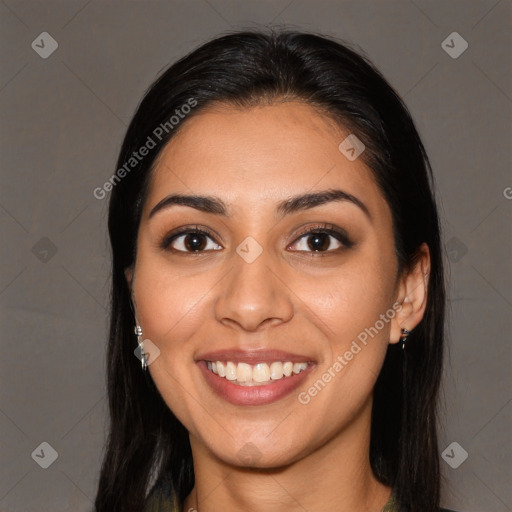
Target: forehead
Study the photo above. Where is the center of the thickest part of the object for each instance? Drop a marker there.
(257, 154)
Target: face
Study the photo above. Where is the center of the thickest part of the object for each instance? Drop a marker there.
(255, 280)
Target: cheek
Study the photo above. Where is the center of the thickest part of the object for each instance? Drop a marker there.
(172, 309)
(353, 308)
(351, 299)
(170, 306)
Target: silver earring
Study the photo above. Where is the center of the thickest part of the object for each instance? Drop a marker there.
(405, 335)
(143, 361)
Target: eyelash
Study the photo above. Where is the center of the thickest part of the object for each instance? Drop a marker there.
(328, 229)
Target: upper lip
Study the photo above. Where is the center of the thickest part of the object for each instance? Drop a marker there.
(252, 356)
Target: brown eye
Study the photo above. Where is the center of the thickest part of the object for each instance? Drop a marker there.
(319, 241)
(190, 241)
(322, 240)
(194, 242)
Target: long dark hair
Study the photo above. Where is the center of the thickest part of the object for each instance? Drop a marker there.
(147, 447)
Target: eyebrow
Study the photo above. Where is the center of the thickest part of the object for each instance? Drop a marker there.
(216, 206)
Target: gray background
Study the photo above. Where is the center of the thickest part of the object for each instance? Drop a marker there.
(63, 119)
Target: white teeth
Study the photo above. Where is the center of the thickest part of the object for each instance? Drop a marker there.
(298, 367)
(261, 372)
(230, 371)
(251, 375)
(243, 372)
(276, 370)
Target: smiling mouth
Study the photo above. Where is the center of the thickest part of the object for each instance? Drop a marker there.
(260, 374)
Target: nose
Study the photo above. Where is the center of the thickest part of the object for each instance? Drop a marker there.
(253, 294)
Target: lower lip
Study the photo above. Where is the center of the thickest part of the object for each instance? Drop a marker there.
(253, 395)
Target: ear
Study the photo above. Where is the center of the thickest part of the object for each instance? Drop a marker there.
(412, 295)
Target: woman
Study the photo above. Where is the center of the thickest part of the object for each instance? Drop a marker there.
(277, 269)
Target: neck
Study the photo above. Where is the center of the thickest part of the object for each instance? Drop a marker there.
(336, 476)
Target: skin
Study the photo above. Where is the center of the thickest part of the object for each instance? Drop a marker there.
(311, 457)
